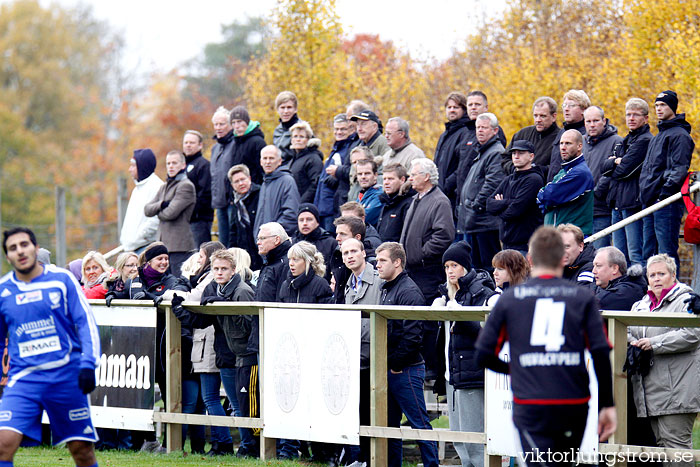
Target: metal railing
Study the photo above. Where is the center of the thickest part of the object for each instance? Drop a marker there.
(639, 215)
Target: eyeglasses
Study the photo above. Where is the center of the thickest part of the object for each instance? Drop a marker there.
(260, 239)
(569, 106)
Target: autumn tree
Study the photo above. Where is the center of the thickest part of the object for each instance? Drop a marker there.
(303, 56)
(536, 48)
(215, 76)
(54, 79)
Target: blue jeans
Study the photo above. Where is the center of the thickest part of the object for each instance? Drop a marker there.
(629, 240)
(600, 223)
(211, 385)
(190, 395)
(406, 396)
(661, 230)
(201, 230)
(222, 215)
(228, 379)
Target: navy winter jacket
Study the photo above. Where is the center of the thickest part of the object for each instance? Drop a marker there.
(332, 192)
(393, 214)
(624, 177)
(667, 161)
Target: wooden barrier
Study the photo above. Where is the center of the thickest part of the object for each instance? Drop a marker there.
(378, 431)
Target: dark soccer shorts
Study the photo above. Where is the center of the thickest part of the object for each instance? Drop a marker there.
(67, 407)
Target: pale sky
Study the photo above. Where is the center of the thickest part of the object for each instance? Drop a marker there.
(161, 34)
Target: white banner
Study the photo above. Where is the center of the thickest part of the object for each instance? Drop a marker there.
(311, 368)
(501, 435)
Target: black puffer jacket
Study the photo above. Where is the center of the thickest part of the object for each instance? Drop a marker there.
(667, 161)
(475, 288)
(306, 167)
(622, 293)
(404, 337)
(447, 156)
(199, 173)
(518, 209)
(306, 288)
(393, 214)
(624, 177)
(246, 150)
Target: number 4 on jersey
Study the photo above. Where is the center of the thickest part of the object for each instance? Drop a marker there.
(547, 324)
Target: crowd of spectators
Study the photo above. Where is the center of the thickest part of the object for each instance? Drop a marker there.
(377, 222)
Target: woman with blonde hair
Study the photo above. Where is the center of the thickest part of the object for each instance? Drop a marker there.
(243, 262)
(306, 163)
(668, 393)
(465, 286)
(305, 282)
(95, 272)
(127, 265)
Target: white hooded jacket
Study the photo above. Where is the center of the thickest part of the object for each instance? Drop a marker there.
(137, 229)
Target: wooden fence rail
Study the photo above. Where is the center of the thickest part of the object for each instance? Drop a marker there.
(617, 331)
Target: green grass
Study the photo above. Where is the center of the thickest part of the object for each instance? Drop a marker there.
(49, 457)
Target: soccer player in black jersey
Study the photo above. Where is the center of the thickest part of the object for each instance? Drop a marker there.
(549, 322)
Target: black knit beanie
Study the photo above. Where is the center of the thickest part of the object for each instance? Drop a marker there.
(460, 253)
(670, 98)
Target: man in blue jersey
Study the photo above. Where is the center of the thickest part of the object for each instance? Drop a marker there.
(54, 348)
(549, 322)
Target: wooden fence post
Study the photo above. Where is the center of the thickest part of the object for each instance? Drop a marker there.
(617, 332)
(378, 384)
(268, 446)
(173, 376)
(60, 202)
(122, 203)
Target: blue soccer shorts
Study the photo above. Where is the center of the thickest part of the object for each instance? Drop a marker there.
(65, 404)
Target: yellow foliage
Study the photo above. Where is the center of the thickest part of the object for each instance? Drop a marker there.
(305, 56)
